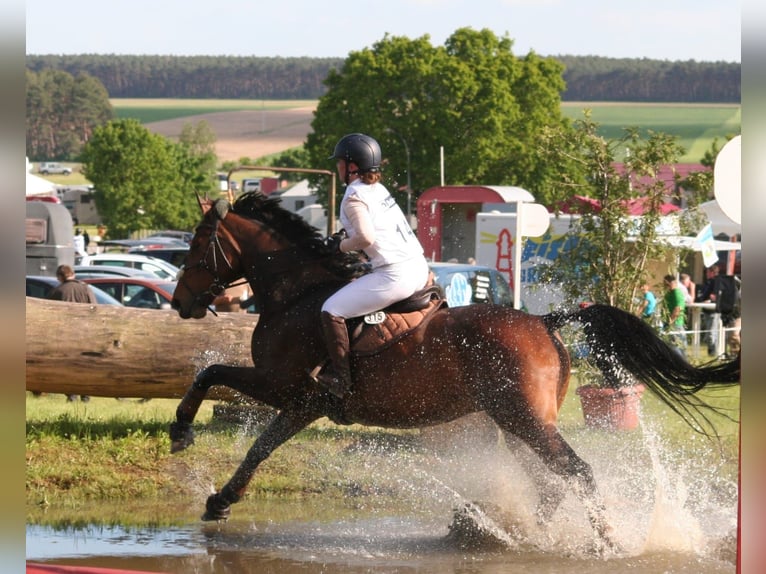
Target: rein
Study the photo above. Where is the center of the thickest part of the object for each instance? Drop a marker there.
(217, 287)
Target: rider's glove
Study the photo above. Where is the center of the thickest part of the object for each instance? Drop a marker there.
(332, 242)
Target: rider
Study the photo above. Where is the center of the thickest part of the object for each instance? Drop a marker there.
(375, 224)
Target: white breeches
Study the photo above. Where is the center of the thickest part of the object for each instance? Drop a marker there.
(385, 285)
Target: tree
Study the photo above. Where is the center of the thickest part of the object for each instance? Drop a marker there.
(198, 142)
(61, 113)
(605, 261)
(142, 180)
(473, 97)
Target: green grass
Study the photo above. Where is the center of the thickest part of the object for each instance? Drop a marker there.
(155, 110)
(108, 450)
(696, 126)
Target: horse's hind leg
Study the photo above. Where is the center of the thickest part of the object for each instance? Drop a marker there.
(181, 433)
(549, 486)
(546, 441)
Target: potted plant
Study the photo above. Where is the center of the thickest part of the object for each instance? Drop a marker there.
(605, 403)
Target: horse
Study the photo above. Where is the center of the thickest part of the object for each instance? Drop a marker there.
(512, 365)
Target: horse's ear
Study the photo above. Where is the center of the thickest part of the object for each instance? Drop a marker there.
(222, 208)
(199, 202)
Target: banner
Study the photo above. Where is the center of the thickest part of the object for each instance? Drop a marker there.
(706, 244)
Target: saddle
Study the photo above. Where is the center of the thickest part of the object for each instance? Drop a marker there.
(377, 331)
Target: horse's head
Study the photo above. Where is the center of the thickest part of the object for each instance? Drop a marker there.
(261, 241)
(213, 262)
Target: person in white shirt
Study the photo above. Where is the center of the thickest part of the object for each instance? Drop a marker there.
(374, 224)
(79, 244)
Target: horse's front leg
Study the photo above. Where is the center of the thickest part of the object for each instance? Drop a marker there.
(237, 378)
(284, 426)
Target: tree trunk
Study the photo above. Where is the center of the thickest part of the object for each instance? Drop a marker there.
(112, 351)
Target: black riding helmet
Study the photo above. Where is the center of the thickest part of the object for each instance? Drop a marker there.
(361, 149)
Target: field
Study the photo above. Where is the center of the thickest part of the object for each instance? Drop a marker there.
(258, 128)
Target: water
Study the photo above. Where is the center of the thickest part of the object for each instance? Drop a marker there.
(671, 512)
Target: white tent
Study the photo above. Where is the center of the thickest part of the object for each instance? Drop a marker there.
(38, 185)
(719, 220)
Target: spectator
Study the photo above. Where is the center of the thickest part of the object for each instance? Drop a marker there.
(689, 287)
(707, 294)
(70, 289)
(675, 316)
(74, 291)
(648, 303)
(79, 244)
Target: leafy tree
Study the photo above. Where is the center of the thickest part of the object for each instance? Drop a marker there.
(142, 180)
(606, 260)
(486, 107)
(61, 113)
(198, 141)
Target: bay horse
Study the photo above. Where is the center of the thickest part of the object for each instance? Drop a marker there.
(510, 364)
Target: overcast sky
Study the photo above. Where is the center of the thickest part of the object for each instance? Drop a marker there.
(702, 30)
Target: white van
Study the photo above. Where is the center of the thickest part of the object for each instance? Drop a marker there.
(251, 185)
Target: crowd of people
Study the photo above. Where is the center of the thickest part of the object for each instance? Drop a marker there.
(719, 292)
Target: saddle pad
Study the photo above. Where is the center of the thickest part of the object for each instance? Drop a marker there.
(371, 339)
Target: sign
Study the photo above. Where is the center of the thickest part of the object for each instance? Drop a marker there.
(705, 243)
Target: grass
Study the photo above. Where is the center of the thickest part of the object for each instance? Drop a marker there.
(108, 451)
(695, 125)
(154, 110)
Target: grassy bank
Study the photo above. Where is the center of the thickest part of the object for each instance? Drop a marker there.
(119, 451)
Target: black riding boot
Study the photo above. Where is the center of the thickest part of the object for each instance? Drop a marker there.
(337, 376)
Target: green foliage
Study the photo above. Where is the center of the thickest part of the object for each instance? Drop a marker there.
(606, 261)
(485, 106)
(62, 112)
(143, 180)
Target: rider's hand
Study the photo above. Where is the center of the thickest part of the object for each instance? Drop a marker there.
(332, 242)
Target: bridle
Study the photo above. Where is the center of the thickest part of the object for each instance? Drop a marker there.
(214, 247)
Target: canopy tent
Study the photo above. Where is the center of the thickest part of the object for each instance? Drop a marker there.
(38, 185)
(719, 220)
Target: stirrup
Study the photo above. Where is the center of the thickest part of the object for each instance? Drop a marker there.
(335, 384)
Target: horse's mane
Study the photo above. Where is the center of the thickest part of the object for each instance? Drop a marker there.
(306, 237)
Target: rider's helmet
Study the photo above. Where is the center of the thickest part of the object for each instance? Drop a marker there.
(361, 149)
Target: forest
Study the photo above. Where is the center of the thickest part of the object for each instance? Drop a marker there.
(587, 78)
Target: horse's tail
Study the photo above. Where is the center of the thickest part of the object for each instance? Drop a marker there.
(621, 342)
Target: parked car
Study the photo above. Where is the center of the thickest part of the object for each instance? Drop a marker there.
(159, 267)
(82, 271)
(183, 236)
(125, 245)
(466, 284)
(143, 293)
(174, 254)
(39, 286)
(50, 167)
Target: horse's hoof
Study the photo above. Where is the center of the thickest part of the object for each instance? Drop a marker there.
(216, 509)
(181, 437)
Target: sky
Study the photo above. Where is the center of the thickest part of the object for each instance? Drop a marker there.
(701, 30)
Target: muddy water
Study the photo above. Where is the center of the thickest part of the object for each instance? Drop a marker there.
(670, 512)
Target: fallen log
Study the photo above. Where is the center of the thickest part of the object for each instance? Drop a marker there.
(112, 351)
